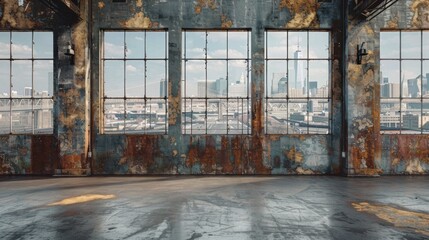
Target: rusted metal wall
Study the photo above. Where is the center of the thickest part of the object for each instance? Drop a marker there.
(77, 105)
(256, 153)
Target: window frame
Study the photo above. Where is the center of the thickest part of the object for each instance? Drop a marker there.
(34, 99)
(401, 99)
(243, 102)
(148, 100)
(291, 99)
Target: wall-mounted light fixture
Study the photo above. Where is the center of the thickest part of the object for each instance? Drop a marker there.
(21, 2)
(70, 53)
(360, 52)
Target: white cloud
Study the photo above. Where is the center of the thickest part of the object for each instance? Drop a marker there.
(21, 50)
(112, 50)
(131, 68)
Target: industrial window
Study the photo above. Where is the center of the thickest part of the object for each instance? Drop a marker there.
(404, 87)
(216, 82)
(26, 82)
(297, 82)
(135, 82)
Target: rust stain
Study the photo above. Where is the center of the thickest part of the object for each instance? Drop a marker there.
(417, 221)
(208, 158)
(72, 161)
(257, 156)
(15, 16)
(225, 162)
(101, 4)
(412, 150)
(200, 4)
(43, 154)
(138, 21)
(192, 157)
(140, 152)
(304, 13)
(237, 151)
(420, 10)
(226, 22)
(302, 171)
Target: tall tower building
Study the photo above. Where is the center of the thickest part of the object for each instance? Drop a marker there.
(299, 70)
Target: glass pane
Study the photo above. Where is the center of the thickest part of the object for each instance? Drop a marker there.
(277, 119)
(134, 78)
(238, 44)
(43, 115)
(4, 79)
(277, 45)
(43, 45)
(216, 116)
(238, 82)
(425, 83)
(425, 44)
(411, 116)
(4, 44)
(195, 78)
(239, 116)
(318, 114)
(21, 78)
(21, 44)
(22, 116)
(298, 116)
(135, 42)
(113, 78)
(390, 117)
(298, 78)
(318, 79)
(114, 45)
(277, 79)
(4, 116)
(319, 44)
(411, 77)
(216, 45)
(195, 44)
(145, 116)
(425, 117)
(114, 115)
(216, 71)
(156, 44)
(43, 78)
(411, 44)
(297, 45)
(389, 45)
(194, 116)
(389, 82)
(155, 76)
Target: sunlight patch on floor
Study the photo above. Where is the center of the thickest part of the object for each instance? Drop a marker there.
(417, 221)
(81, 199)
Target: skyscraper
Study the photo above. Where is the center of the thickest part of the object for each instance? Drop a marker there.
(299, 70)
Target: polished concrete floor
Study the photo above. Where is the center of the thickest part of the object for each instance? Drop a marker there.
(301, 207)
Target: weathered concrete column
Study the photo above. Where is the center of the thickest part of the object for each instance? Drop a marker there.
(72, 102)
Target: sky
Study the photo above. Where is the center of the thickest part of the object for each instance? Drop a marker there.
(21, 69)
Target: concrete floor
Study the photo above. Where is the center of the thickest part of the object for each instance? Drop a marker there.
(236, 208)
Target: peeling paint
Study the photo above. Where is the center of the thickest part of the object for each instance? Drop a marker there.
(304, 13)
(138, 21)
(226, 22)
(420, 10)
(200, 4)
(15, 16)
